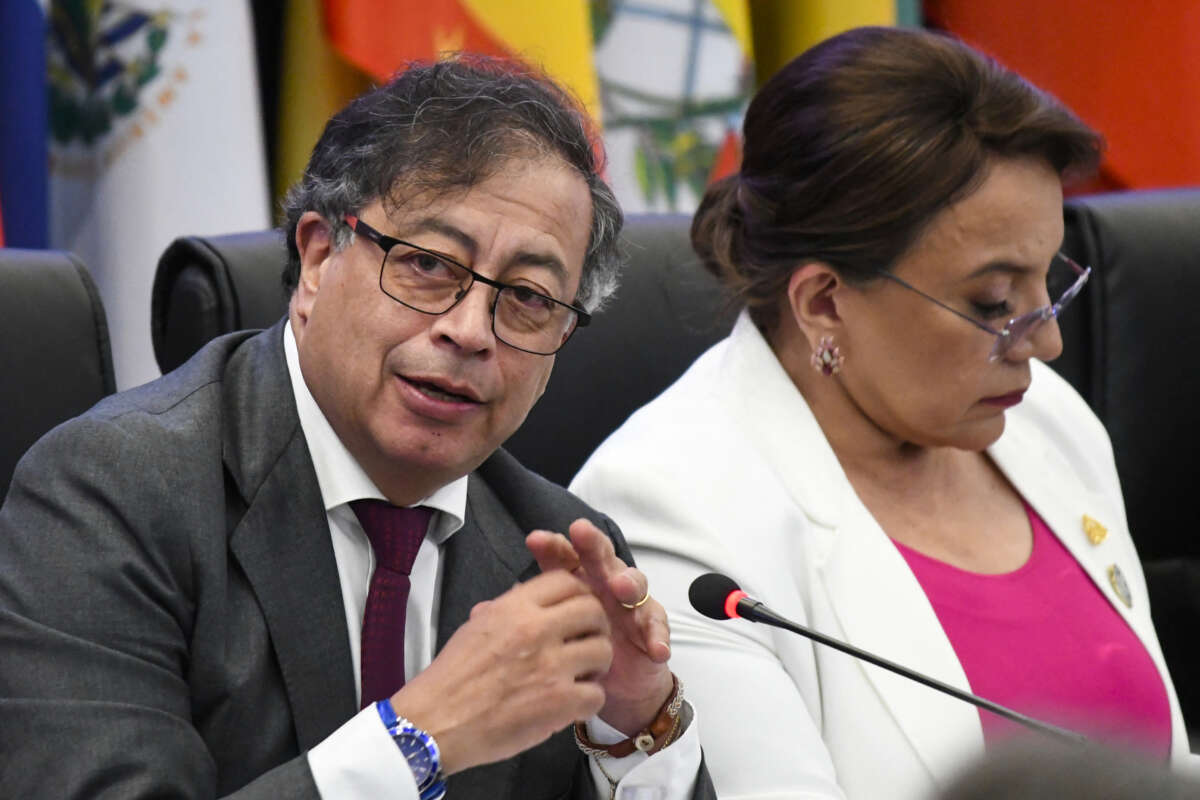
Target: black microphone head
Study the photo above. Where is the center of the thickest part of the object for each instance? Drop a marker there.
(709, 592)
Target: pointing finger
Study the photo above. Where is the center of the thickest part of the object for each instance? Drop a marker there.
(552, 551)
(595, 550)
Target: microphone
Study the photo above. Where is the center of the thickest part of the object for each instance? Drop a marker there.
(718, 597)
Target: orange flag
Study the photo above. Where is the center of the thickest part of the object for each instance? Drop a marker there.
(1128, 69)
(334, 48)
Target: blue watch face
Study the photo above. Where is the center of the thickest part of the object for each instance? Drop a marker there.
(417, 755)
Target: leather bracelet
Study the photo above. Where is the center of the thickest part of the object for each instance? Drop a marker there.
(661, 731)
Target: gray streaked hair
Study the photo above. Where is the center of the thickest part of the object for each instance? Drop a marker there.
(447, 126)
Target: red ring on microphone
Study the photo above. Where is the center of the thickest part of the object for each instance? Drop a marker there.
(731, 603)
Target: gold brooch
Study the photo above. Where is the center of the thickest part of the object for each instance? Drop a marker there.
(1117, 579)
(1096, 532)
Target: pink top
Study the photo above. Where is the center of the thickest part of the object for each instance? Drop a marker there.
(1044, 641)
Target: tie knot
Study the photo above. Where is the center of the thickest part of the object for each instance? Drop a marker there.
(395, 532)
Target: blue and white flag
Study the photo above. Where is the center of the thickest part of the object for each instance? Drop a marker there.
(23, 193)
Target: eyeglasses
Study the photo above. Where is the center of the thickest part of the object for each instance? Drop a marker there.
(1017, 329)
(432, 283)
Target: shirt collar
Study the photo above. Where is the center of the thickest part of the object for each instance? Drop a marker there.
(340, 477)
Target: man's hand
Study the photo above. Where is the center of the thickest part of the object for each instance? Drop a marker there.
(639, 681)
(523, 666)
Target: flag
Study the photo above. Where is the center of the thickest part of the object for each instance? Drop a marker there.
(23, 156)
(315, 81)
(335, 47)
(783, 29)
(1128, 70)
(675, 77)
(380, 35)
(155, 133)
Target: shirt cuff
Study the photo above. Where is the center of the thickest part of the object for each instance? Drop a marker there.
(669, 774)
(360, 759)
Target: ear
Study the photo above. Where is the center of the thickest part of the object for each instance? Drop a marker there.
(314, 241)
(813, 293)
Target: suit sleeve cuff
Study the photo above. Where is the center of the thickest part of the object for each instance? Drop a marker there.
(669, 774)
(360, 759)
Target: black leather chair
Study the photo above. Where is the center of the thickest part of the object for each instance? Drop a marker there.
(205, 286)
(1139, 363)
(55, 354)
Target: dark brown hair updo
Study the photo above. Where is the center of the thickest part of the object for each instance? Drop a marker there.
(853, 147)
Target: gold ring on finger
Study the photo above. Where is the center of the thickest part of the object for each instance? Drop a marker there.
(638, 604)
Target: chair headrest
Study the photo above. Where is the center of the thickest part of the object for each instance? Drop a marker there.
(206, 286)
(55, 354)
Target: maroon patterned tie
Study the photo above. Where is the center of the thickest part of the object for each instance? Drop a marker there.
(395, 535)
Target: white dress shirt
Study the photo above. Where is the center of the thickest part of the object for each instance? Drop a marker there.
(360, 759)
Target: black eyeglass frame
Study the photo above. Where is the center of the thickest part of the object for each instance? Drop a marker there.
(386, 243)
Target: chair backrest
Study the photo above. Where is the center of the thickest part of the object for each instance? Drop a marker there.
(55, 354)
(1139, 366)
(667, 311)
(1140, 370)
(206, 286)
(1128, 346)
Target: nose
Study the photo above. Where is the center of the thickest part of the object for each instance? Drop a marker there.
(1043, 342)
(1047, 340)
(468, 325)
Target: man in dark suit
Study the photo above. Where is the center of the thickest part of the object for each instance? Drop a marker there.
(197, 583)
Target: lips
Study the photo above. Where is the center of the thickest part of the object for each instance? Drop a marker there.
(1005, 400)
(443, 390)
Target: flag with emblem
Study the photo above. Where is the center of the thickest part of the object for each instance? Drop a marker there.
(675, 77)
(155, 132)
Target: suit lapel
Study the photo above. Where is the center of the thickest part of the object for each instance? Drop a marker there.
(1050, 485)
(882, 608)
(877, 601)
(484, 559)
(282, 540)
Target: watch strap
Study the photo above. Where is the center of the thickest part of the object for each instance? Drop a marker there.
(433, 786)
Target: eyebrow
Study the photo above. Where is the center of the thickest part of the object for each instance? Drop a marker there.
(1004, 267)
(522, 258)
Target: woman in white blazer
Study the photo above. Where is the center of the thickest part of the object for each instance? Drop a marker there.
(878, 451)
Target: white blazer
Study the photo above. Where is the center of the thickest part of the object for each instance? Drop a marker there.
(729, 471)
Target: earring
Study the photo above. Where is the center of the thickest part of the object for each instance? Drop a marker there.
(827, 358)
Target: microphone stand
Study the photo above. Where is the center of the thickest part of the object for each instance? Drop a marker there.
(756, 611)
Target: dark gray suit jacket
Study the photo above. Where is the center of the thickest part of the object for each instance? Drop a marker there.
(171, 622)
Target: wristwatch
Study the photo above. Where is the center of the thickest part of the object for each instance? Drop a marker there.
(419, 750)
